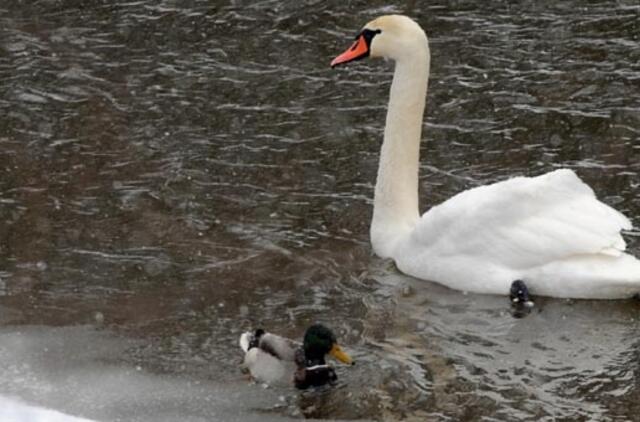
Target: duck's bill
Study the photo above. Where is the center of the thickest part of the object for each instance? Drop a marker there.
(358, 50)
(338, 353)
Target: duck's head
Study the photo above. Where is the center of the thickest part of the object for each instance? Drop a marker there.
(320, 341)
(391, 36)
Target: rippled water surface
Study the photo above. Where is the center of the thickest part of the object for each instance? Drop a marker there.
(175, 172)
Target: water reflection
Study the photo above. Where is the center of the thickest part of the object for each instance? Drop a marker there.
(186, 170)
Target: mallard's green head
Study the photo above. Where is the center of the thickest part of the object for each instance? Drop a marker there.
(320, 341)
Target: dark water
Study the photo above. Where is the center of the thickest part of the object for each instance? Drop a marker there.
(175, 172)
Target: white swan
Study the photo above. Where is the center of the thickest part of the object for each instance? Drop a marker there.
(549, 231)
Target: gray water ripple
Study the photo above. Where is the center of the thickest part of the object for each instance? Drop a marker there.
(190, 170)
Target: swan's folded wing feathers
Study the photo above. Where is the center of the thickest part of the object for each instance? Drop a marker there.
(524, 222)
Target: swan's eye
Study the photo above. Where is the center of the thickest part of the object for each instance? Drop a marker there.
(359, 49)
(368, 34)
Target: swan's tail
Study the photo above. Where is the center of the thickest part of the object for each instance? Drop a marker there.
(588, 277)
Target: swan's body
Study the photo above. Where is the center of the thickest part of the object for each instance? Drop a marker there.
(549, 231)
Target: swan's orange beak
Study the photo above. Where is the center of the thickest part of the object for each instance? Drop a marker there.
(358, 50)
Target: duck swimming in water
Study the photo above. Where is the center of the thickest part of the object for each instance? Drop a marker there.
(521, 303)
(519, 294)
(278, 360)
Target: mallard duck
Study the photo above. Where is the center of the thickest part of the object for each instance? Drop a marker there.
(276, 360)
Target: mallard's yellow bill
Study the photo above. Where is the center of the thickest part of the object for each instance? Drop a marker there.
(339, 354)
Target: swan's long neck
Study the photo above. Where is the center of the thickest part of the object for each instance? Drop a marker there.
(395, 209)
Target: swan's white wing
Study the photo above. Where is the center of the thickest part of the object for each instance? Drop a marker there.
(523, 222)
